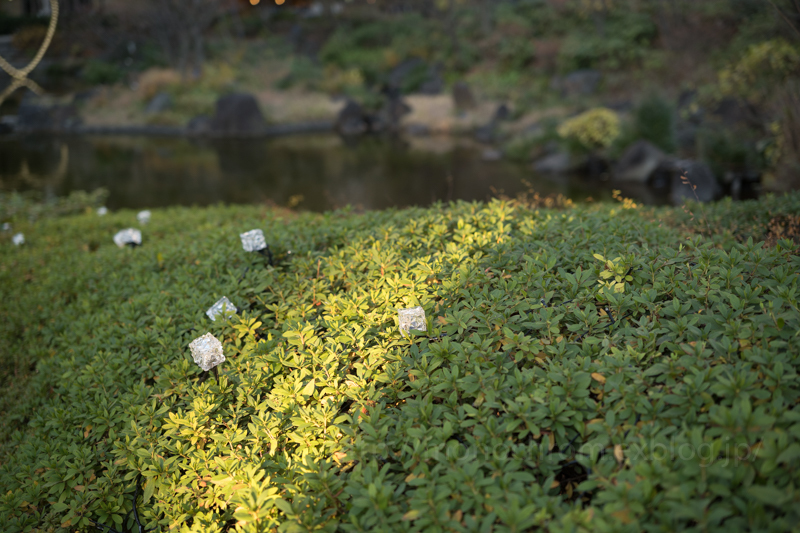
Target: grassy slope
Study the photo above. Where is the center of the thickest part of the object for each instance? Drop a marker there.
(681, 413)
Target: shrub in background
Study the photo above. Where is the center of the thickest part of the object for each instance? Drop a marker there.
(592, 130)
(654, 121)
(98, 72)
(625, 39)
(726, 151)
(764, 66)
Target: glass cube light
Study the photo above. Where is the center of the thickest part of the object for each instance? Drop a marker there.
(143, 217)
(253, 240)
(6, 226)
(102, 211)
(217, 309)
(128, 236)
(18, 239)
(207, 351)
(412, 318)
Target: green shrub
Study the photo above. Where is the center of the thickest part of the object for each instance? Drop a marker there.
(376, 46)
(98, 72)
(539, 400)
(654, 121)
(30, 205)
(304, 72)
(517, 52)
(626, 40)
(591, 130)
(726, 151)
(764, 67)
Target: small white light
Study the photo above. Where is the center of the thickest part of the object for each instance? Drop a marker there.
(6, 226)
(207, 351)
(412, 318)
(253, 240)
(217, 309)
(128, 236)
(143, 217)
(18, 239)
(102, 211)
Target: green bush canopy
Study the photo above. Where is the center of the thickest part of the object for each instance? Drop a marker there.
(595, 368)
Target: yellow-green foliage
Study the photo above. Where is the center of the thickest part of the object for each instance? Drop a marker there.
(764, 64)
(596, 128)
(337, 80)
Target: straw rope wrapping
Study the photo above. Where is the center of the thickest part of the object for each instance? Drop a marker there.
(19, 77)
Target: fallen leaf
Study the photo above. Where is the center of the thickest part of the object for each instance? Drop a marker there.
(413, 514)
(618, 453)
(598, 377)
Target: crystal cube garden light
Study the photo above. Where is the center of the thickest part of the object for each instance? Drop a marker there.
(143, 217)
(128, 236)
(207, 351)
(412, 318)
(217, 309)
(253, 240)
(18, 239)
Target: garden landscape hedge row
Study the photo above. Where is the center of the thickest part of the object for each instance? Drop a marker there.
(594, 368)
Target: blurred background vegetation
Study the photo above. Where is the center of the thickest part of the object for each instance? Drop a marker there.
(715, 80)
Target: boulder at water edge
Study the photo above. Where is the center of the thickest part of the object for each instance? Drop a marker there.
(237, 113)
(638, 162)
(699, 183)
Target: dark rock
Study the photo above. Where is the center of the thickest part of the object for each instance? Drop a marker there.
(237, 113)
(686, 136)
(596, 167)
(578, 83)
(352, 120)
(434, 83)
(638, 162)
(686, 99)
(84, 96)
(463, 97)
(159, 103)
(488, 132)
(8, 124)
(418, 130)
(37, 115)
(392, 111)
(491, 154)
(199, 125)
(620, 106)
(501, 113)
(692, 180)
(557, 163)
(732, 111)
(407, 75)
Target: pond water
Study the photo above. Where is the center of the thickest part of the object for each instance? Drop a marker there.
(313, 173)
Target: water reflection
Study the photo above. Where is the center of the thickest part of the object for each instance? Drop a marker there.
(310, 172)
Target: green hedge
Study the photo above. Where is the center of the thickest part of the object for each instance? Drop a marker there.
(591, 369)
